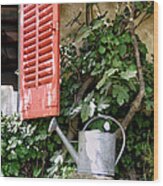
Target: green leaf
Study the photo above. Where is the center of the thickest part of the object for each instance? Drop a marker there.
(139, 5)
(33, 153)
(92, 108)
(116, 63)
(121, 93)
(105, 89)
(148, 90)
(127, 75)
(37, 172)
(89, 97)
(132, 67)
(85, 112)
(143, 48)
(104, 40)
(103, 104)
(126, 38)
(132, 85)
(12, 155)
(101, 49)
(150, 9)
(149, 105)
(83, 33)
(107, 74)
(111, 71)
(14, 168)
(101, 82)
(98, 124)
(116, 41)
(88, 110)
(97, 24)
(22, 151)
(122, 50)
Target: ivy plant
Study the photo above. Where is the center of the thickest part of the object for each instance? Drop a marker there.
(99, 75)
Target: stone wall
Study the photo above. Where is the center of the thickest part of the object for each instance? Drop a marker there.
(70, 11)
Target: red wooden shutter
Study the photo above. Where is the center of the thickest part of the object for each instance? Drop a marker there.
(39, 60)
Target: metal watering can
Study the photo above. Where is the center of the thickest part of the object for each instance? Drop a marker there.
(96, 150)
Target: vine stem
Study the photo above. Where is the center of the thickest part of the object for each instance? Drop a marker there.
(138, 99)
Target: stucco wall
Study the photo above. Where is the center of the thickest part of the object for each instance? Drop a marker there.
(70, 11)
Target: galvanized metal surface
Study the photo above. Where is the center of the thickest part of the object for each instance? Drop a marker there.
(96, 152)
(39, 65)
(54, 126)
(100, 116)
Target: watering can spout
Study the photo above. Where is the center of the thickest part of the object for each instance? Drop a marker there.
(54, 126)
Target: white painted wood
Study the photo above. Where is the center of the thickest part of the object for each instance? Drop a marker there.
(8, 100)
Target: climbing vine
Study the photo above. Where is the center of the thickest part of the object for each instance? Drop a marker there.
(104, 70)
(102, 76)
(109, 74)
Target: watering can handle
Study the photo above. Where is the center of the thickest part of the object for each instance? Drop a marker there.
(119, 125)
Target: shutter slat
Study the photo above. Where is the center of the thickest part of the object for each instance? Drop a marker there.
(43, 7)
(29, 29)
(30, 70)
(46, 19)
(30, 42)
(46, 12)
(28, 8)
(30, 56)
(45, 65)
(29, 22)
(45, 80)
(44, 28)
(45, 50)
(30, 63)
(29, 35)
(30, 77)
(45, 42)
(45, 58)
(45, 35)
(30, 14)
(30, 49)
(45, 72)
